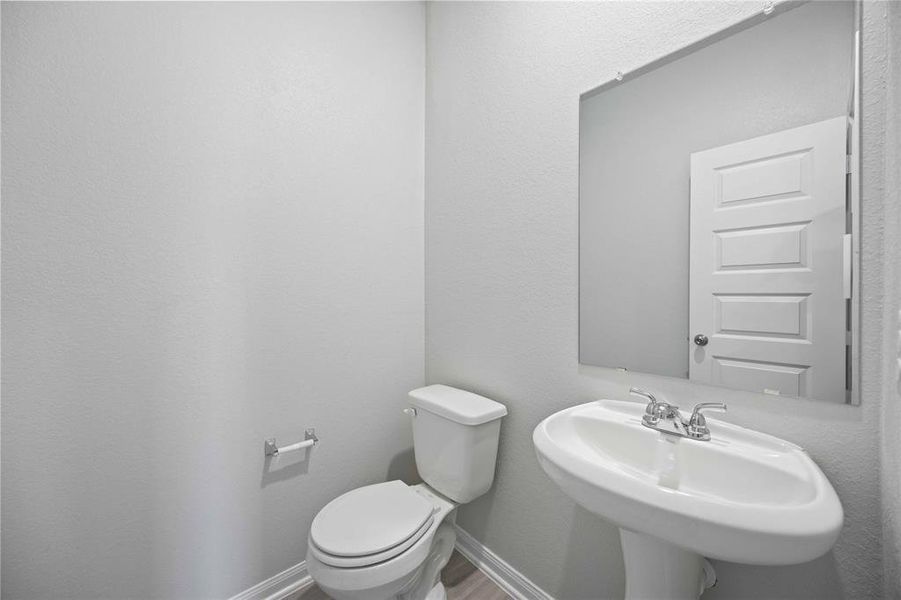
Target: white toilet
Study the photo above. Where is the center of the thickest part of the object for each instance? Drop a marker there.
(391, 540)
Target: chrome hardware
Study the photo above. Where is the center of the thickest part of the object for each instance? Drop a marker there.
(650, 412)
(647, 395)
(669, 420)
(270, 447)
(666, 418)
(701, 339)
(697, 423)
(667, 411)
(409, 411)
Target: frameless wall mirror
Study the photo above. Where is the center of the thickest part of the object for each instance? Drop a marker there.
(718, 227)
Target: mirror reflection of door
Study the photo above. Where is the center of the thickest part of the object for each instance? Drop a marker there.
(712, 203)
(768, 263)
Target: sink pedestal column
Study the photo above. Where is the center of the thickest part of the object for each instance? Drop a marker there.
(662, 571)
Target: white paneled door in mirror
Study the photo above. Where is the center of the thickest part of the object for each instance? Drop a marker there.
(767, 308)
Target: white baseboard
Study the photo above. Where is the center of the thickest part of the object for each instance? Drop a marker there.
(499, 571)
(296, 578)
(279, 586)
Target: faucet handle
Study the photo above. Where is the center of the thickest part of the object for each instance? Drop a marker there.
(650, 416)
(640, 392)
(697, 424)
(652, 401)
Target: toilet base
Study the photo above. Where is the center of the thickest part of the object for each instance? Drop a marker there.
(429, 586)
(437, 593)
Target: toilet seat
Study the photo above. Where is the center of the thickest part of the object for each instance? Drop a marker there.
(386, 579)
(370, 524)
(347, 562)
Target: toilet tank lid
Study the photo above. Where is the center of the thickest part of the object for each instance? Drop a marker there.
(457, 405)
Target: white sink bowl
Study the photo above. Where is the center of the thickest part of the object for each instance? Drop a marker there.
(743, 496)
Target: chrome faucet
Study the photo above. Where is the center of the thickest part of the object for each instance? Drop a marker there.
(697, 423)
(666, 418)
(650, 412)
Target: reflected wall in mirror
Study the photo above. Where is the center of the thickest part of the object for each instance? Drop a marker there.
(718, 219)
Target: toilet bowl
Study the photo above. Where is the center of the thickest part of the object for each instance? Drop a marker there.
(390, 540)
(398, 571)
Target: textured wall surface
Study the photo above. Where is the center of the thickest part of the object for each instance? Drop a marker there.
(891, 413)
(644, 326)
(212, 234)
(502, 282)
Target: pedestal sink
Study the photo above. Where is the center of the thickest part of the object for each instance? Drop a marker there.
(743, 496)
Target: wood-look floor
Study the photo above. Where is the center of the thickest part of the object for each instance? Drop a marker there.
(461, 579)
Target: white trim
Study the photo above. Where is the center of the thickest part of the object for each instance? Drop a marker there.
(279, 586)
(296, 578)
(499, 571)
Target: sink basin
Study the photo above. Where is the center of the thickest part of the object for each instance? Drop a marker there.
(743, 496)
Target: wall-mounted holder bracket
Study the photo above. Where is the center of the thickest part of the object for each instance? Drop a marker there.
(270, 447)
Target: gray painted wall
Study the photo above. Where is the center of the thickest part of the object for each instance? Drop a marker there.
(502, 282)
(891, 408)
(212, 231)
(635, 143)
(185, 192)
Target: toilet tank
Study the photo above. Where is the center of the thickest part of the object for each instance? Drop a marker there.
(455, 435)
